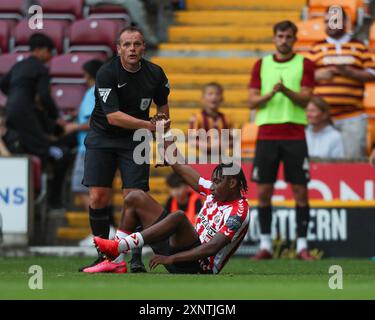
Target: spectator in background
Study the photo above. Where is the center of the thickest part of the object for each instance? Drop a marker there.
(90, 69)
(4, 152)
(280, 89)
(182, 197)
(86, 107)
(323, 139)
(32, 115)
(343, 65)
(138, 15)
(31, 110)
(211, 118)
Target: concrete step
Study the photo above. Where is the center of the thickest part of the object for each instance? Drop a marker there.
(236, 98)
(70, 233)
(80, 219)
(235, 17)
(245, 5)
(219, 34)
(236, 116)
(197, 81)
(215, 49)
(200, 65)
(156, 183)
(118, 199)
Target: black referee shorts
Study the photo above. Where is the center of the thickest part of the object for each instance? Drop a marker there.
(269, 154)
(101, 166)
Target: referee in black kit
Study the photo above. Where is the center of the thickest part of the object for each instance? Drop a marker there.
(125, 88)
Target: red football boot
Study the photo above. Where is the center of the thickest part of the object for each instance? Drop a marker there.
(108, 267)
(305, 255)
(262, 255)
(109, 248)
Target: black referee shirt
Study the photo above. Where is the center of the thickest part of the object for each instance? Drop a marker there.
(132, 93)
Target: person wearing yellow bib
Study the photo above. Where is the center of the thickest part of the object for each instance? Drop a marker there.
(280, 89)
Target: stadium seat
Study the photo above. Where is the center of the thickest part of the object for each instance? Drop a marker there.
(4, 36)
(372, 37)
(318, 7)
(11, 9)
(369, 98)
(9, 59)
(94, 35)
(249, 134)
(370, 134)
(53, 29)
(309, 32)
(67, 68)
(68, 96)
(108, 11)
(66, 9)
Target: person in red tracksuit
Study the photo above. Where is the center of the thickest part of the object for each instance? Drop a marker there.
(182, 197)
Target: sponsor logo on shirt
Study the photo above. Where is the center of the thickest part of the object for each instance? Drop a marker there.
(121, 85)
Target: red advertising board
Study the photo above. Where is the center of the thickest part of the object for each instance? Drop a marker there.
(329, 181)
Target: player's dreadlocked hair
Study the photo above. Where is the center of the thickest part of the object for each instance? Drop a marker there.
(240, 177)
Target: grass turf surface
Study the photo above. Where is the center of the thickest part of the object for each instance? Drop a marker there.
(240, 279)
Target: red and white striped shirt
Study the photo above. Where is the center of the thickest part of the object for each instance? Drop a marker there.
(229, 218)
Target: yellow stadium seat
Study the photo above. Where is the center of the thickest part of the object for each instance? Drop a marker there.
(319, 7)
(309, 32)
(370, 134)
(372, 37)
(369, 98)
(249, 134)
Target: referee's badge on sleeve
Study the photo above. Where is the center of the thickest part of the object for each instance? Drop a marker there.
(145, 103)
(104, 93)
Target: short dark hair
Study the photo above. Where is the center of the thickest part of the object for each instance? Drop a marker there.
(285, 25)
(321, 104)
(92, 67)
(174, 180)
(40, 40)
(129, 29)
(216, 85)
(240, 176)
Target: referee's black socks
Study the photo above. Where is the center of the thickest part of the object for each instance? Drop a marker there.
(265, 219)
(302, 219)
(99, 222)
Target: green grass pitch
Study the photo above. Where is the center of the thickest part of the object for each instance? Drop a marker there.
(241, 279)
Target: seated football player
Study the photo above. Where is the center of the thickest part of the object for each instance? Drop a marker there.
(220, 227)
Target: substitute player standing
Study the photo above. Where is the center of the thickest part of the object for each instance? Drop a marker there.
(125, 87)
(280, 88)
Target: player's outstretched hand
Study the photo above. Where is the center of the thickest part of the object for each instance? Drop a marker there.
(161, 117)
(157, 259)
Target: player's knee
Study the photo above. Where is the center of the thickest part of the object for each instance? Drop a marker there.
(179, 216)
(265, 197)
(300, 195)
(98, 199)
(134, 198)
